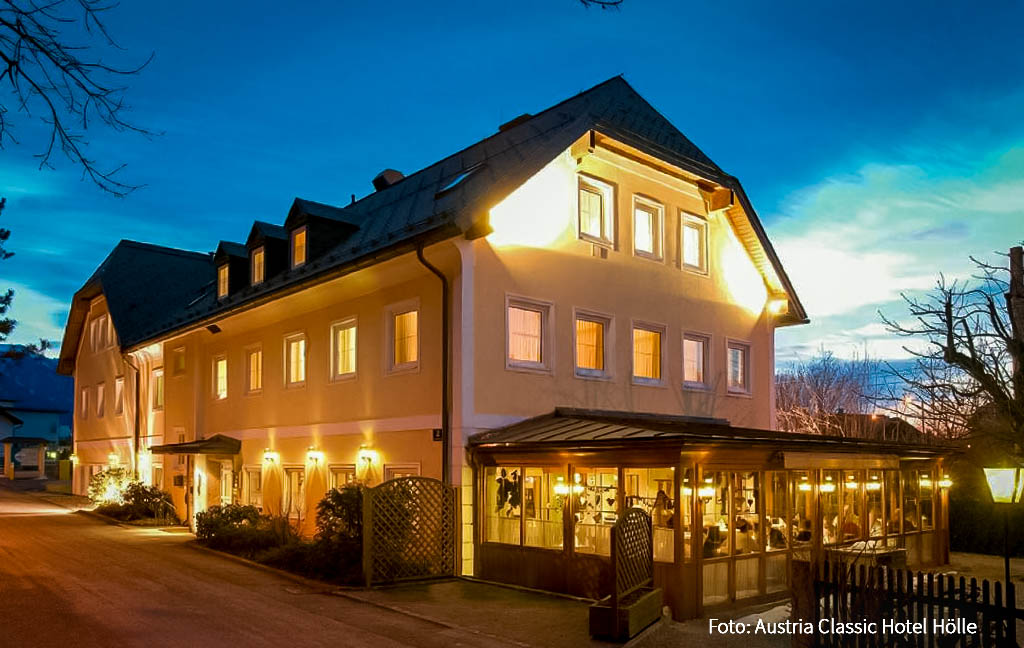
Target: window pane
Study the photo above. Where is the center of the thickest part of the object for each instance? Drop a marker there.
(746, 493)
(544, 500)
(646, 354)
(802, 489)
(830, 506)
(255, 370)
(299, 247)
(714, 494)
(648, 489)
(257, 266)
(595, 505)
(222, 281)
(738, 367)
(297, 360)
(893, 509)
(524, 335)
(645, 221)
(589, 345)
(693, 245)
(852, 526)
(693, 360)
(911, 514)
(685, 510)
(775, 510)
(591, 211)
(873, 493)
(504, 511)
(221, 374)
(345, 350)
(925, 486)
(406, 338)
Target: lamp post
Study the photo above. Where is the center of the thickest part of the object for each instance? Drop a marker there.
(1005, 484)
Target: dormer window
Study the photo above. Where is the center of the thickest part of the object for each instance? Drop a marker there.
(298, 247)
(258, 266)
(222, 281)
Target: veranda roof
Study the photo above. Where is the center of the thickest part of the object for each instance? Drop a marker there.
(217, 444)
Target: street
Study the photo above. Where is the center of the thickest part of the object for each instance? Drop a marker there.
(68, 579)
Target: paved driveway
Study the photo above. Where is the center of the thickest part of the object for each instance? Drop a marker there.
(70, 580)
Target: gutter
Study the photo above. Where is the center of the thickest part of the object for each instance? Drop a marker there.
(446, 392)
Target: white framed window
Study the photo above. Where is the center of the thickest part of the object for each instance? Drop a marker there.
(648, 228)
(158, 389)
(254, 370)
(295, 479)
(596, 207)
(222, 281)
(180, 433)
(100, 389)
(398, 470)
(696, 350)
(119, 395)
(178, 361)
(83, 403)
(343, 348)
(738, 367)
(158, 475)
(528, 326)
(298, 246)
(693, 243)
(342, 475)
(592, 338)
(253, 487)
(295, 360)
(220, 377)
(101, 333)
(648, 353)
(403, 333)
(258, 266)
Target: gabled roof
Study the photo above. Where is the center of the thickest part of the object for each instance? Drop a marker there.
(11, 418)
(445, 200)
(303, 207)
(148, 288)
(262, 231)
(231, 249)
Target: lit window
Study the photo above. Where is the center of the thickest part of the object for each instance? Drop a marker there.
(695, 353)
(590, 345)
(178, 361)
(406, 339)
(647, 219)
(295, 359)
(595, 211)
(739, 367)
(158, 389)
(222, 281)
(254, 370)
(343, 338)
(526, 336)
(695, 243)
(118, 395)
(646, 354)
(258, 268)
(294, 495)
(83, 403)
(220, 378)
(299, 247)
(99, 400)
(253, 487)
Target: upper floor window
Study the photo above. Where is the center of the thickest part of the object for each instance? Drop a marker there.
(343, 341)
(295, 359)
(405, 336)
(222, 281)
(118, 395)
(83, 403)
(258, 267)
(298, 247)
(100, 389)
(648, 219)
(647, 353)
(739, 367)
(596, 211)
(101, 333)
(591, 349)
(158, 389)
(254, 370)
(527, 334)
(220, 377)
(178, 361)
(695, 360)
(694, 243)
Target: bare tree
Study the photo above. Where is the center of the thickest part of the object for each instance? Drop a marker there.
(970, 376)
(812, 397)
(604, 4)
(53, 62)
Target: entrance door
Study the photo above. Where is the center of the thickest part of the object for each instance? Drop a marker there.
(226, 483)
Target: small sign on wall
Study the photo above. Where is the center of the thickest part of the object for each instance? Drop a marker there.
(438, 435)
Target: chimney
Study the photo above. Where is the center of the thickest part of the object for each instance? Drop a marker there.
(386, 178)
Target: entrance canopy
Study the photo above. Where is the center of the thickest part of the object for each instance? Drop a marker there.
(217, 444)
(26, 441)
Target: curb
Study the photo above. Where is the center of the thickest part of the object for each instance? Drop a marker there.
(102, 518)
(321, 587)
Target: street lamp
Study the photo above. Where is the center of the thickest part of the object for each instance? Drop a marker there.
(1005, 484)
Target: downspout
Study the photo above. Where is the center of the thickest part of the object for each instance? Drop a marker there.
(138, 413)
(446, 395)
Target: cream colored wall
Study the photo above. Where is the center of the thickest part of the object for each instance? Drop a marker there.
(535, 252)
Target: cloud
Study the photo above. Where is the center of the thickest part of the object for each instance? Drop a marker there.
(853, 243)
(39, 316)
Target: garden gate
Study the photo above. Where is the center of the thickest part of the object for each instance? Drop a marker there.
(408, 530)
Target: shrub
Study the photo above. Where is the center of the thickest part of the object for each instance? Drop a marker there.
(144, 502)
(339, 515)
(242, 530)
(108, 486)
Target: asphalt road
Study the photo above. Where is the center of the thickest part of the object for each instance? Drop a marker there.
(72, 581)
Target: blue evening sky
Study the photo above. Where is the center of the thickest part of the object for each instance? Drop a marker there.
(880, 142)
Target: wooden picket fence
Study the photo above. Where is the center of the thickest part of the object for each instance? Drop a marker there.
(846, 593)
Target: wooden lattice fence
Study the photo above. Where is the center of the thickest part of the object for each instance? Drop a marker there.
(408, 530)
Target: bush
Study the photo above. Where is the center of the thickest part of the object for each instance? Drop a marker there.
(108, 486)
(242, 530)
(339, 516)
(339, 561)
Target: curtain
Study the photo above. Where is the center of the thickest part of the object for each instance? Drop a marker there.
(524, 335)
(646, 354)
(589, 345)
(406, 338)
(693, 361)
(591, 212)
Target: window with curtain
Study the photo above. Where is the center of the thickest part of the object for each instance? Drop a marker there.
(295, 479)
(118, 395)
(595, 206)
(158, 389)
(695, 351)
(646, 354)
(739, 367)
(220, 378)
(590, 350)
(694, 243)
(344, 341)
(257, 266)
(647, 217)
(254, 369)
(253, 487)
(544, 499)
(406, 338)
(100, 388)
(299, 247)
(525, 336)
(222, 281)
(295, 359)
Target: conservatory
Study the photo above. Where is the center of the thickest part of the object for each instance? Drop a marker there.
(731, 508)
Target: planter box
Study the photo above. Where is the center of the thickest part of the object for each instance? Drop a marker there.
(639, 610)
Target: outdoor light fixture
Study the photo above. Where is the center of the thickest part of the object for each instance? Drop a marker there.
(945, 482)
(269, 456)
(367, 455)
(113, 460)
(828, 486)
(1005, 486)
(778, 305)
(73, 458)
(314, 456)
